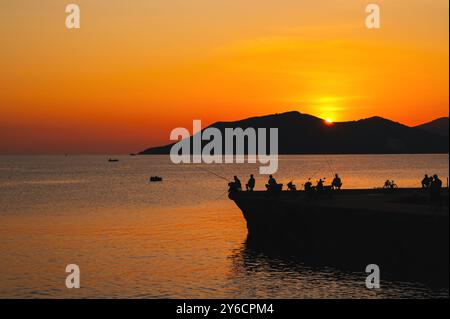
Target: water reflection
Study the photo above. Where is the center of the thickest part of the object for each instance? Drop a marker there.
(280, 275)
(179, 239)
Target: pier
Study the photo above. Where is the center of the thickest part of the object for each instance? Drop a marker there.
(397, 229)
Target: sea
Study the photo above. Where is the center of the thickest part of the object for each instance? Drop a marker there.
(179, 238)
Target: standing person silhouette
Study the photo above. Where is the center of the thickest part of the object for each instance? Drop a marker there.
(251, 183)
(435, 192)
(426, 181)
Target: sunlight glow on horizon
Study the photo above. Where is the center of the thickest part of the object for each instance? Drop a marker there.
(133, 72)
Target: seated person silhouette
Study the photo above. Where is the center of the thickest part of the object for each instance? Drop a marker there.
(272, 181)
(272, 184)
(319, 185)
(308, 185)
(235, 186)
(250, 184)
(337, 182)
(291, 186)
(237, 183)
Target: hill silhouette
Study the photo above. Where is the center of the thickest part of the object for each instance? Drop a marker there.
(438, 126)
(306, 134)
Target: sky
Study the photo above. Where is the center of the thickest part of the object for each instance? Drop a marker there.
(136, 69)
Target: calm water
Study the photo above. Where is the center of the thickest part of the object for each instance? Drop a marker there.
(180, 239)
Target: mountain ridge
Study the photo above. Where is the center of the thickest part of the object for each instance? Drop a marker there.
(301, 133)
(438, 126)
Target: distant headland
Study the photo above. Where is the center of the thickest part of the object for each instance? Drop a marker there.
(306, 134)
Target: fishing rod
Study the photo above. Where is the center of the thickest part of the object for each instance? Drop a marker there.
(211, 172)
(221, 195)
(316, 172)
(329, 166)
(217, 175)
(320, 169)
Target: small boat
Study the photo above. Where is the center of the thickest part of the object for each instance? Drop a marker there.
(156, 179)
(113, 160)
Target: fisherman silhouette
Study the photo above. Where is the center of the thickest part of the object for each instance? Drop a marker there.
(237, 183)
(426, 182)
(308, 185)
(337, 182)
(291, 186)
(390, 184)
(435, 192)
(234, 187)
(272, 184)
(272, 181)
(250, 184)
(319, 185)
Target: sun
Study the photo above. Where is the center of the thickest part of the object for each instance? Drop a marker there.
(328, 121)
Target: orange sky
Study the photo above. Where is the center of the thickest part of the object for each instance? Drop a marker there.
(137, 69)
